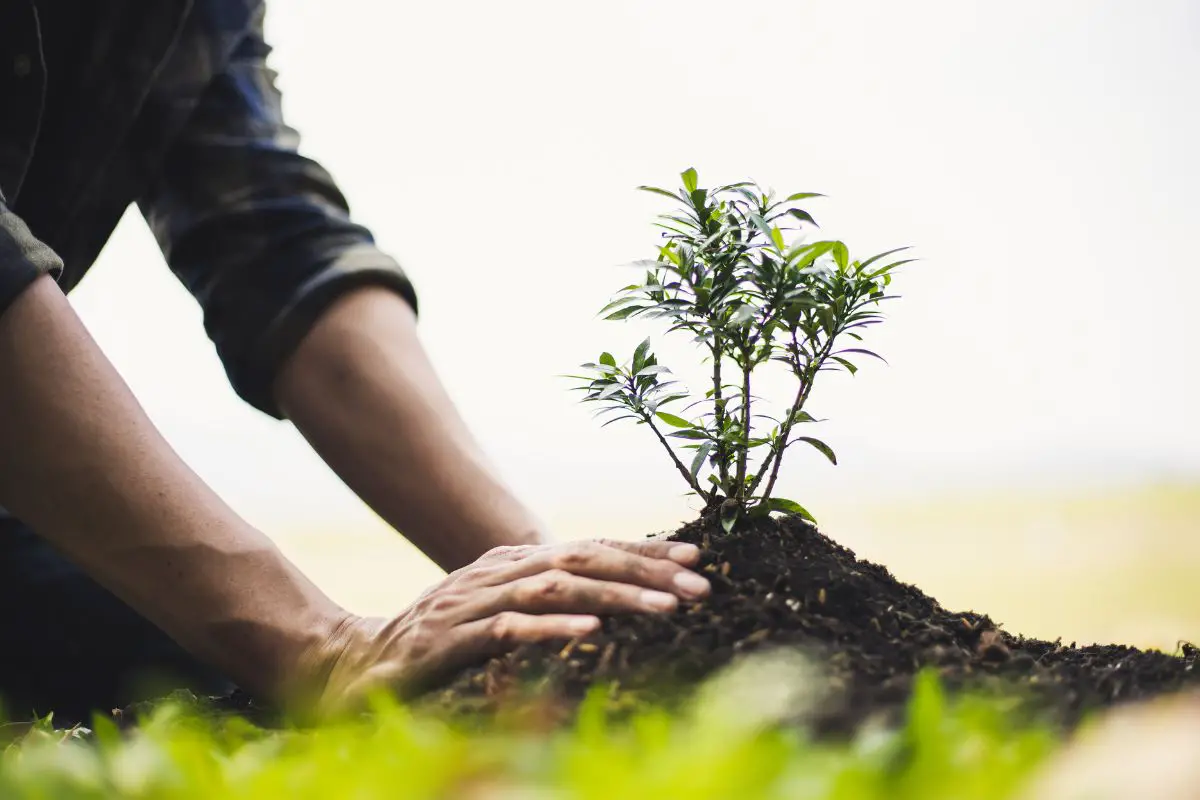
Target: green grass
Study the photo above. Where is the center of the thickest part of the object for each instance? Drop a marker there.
(725, 745)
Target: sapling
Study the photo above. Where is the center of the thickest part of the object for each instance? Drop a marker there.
(736, 273)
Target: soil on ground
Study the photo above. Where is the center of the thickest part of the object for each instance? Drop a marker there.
(781, 583)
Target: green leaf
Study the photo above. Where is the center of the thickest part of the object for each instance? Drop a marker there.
(875, 258)
(761, 224)
(825, 449)
(885, 270)
(802, 196)
(841, 255)
(689, 179)
(802, 255)
(619, 303)
(639, 355)
(656, 190)
(607, 369)
(861, 351)
(627, 311)
(803, 216)
(729, 515)
(849, 367)
(691, 433)
(698, 461)
(608, 360)
(672, 420)
(618, 419)
(654, 369)
(777, 238)
(789, 507)
(743, 315)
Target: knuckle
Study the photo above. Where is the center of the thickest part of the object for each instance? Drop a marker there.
(578, 556)
(613, 596)
(642, 568)
(500, 551)
(571, 559)
(504, 627)
(546, 586)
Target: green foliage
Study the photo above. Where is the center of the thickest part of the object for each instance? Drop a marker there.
(737, 274)
(966, 750)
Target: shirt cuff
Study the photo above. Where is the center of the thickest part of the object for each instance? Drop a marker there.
(23, 258)
(362, 265)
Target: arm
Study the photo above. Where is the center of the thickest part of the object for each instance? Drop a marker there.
(316, 324)
(81, 463)
(363, 392)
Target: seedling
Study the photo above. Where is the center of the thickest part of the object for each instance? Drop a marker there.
(736, 273)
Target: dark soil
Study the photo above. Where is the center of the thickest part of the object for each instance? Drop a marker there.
(782, 583)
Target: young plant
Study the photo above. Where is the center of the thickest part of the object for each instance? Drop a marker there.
(736, 274)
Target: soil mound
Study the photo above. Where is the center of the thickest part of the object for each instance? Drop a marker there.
(780, 582)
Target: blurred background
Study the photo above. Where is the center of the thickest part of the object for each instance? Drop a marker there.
(1030, 452)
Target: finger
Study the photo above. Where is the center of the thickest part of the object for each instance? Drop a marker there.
(491, 636)
(679, 552)
(480, 571)
(509, 553)
(595, 560)
(559, 592)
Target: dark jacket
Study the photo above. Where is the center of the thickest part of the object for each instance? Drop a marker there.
(170, 104)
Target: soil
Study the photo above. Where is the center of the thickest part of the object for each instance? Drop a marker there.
(781, 583)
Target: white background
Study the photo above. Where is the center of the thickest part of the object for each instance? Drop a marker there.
(1039, 157)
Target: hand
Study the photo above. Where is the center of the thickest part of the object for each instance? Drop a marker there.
(510, 596)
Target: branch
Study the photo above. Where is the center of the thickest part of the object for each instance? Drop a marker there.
(744, 455)
(775, 457)
(806, 384)
(687, 476)
(719, 412)
(777, 453)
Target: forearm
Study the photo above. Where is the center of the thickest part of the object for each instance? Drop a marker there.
(362, 390)
(82, 464)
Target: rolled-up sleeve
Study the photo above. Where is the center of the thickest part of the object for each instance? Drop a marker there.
(23, 257)
(258, 233)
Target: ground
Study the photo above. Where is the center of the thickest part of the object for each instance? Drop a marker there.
(780, 583)
(821, 676)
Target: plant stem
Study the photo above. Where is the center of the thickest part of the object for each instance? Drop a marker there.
(776, 456)
(687, 476)
(744, 451)
(775, 459)
(719, 414)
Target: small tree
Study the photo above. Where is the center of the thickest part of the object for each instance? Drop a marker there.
(736, 275)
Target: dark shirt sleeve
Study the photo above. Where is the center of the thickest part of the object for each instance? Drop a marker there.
(259, 234)
(23, 258)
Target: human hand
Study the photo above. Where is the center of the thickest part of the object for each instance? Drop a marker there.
(510, 596)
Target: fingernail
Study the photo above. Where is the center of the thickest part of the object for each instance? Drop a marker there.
(691, 584)
(684, 553)
(584, 625)
(658, 601)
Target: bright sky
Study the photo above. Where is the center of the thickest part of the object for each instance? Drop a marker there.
(1039, 157)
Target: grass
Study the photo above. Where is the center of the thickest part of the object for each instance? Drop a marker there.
(726, 745)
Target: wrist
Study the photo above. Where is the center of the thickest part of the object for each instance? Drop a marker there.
(339, 671)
